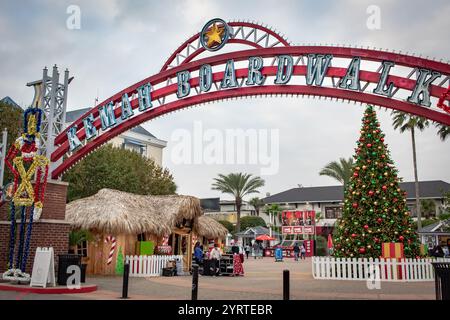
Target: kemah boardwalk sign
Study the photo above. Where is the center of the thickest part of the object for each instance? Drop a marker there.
(270, 66)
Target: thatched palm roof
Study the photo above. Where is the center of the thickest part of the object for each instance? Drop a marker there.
(117, 212)
(209, 228)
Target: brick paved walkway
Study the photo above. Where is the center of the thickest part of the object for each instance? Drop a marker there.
(262, 281)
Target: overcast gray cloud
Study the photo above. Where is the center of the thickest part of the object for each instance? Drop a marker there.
(122, 42)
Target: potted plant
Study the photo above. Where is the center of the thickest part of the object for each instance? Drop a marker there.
(76, 238)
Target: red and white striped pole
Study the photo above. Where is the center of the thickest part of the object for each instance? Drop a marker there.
(113, 248)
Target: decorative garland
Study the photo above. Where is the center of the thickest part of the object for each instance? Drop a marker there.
(21, 236)
(27, 242)
(24, 195)
(444, 96)
(12, 235)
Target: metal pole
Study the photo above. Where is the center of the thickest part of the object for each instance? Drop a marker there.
(285, 284)
(126, 274)
(3, 146)
(194, 282)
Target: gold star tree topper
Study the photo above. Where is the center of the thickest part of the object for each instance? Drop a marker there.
(214, 35)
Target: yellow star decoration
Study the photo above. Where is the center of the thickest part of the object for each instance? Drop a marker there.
(214, 35)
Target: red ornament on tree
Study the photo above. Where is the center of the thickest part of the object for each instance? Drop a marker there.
(366, 226)
(371, 193)
(384, 188)
(369, 145)
(355, 174)
(401, 238)
(355, 205)
(379, 220)
(362, 250)
(353, 235)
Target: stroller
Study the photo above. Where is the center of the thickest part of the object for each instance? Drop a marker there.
(279, 254)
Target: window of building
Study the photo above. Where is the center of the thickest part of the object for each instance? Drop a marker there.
(134, 146)
(333, 212)
(82, 249)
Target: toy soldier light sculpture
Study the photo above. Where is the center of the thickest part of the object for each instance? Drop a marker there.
(25, 164)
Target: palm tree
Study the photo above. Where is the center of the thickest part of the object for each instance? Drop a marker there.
(404, 122)
(257, 203)
(340, 170)
(275, 210)
(443, 132)
(428, 207)
(238, 185)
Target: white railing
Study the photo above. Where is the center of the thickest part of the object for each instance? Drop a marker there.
(149, 266)
(374, 269)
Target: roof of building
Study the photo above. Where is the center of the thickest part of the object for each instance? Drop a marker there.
(428, 189)
(256, 231)
(116, 212)
(437, 227)
(73, 115)
(11, 102)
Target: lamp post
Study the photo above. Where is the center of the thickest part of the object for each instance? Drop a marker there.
(270, 223)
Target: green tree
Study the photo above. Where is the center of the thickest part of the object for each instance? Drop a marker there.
(120, 169)
(257, 203)
(406, 122)
(375, 208)
(227, 224)
(250, 221)
(443, 132)
(11, 118)
(340, 170)
(428, 207)
(119, 263)
(274, 210)
(238, 185)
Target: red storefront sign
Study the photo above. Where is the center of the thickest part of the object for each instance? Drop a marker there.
(309, 246)
(298, 222)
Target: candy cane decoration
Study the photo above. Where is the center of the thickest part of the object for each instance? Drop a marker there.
(113, 248)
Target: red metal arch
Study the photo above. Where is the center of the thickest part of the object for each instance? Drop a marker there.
(199, 50)
(368, 76)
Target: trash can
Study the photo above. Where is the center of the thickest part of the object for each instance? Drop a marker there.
(64, 262)
(442, 280)
(278, 254)
(83, 272)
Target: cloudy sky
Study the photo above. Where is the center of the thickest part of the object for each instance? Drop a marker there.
(122, 42)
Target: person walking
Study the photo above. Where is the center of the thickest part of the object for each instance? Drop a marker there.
(255, 249)
(216, 255)
(247, 250)
(198, 254)
(303, 251)
(238, 269)
(296, 251)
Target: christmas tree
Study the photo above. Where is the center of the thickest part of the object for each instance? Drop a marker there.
(119, 263)
(375, 208)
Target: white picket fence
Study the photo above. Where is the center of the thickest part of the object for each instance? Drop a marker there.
(149, 266)
(374, 269)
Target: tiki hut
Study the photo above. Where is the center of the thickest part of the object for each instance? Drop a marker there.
(133, 220)
(207, 230)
